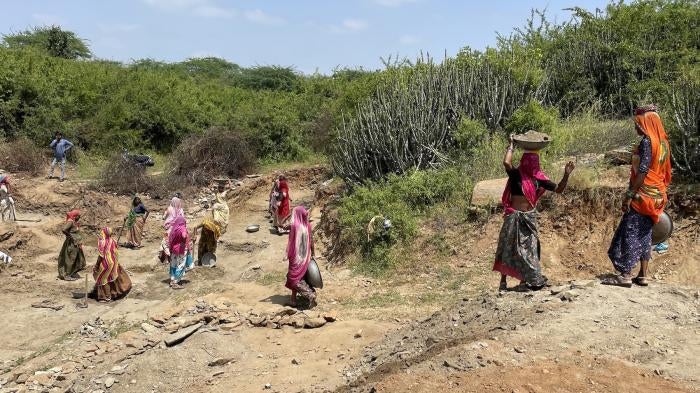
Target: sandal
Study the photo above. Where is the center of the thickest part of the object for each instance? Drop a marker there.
(70, 278)
(104, 301)
(617, 281)
(176, 286)
(641, 281)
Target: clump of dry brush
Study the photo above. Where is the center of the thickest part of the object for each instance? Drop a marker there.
(126, 177)
(21, 155)
(218, 152)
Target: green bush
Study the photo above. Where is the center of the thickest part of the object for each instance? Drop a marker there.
(532, 116)
(401, 199)
(469, 134)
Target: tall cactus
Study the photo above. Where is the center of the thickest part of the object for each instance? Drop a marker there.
(408, 123)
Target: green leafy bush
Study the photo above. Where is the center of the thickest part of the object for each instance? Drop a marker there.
(469, 134)
(401, 199)
(532, 116)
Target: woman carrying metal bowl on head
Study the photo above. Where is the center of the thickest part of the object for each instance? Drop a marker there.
(518, 252)
(644, 200)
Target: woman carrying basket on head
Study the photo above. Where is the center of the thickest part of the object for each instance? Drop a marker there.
(518, 252)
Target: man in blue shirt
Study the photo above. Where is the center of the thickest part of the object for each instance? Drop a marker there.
(60, 147)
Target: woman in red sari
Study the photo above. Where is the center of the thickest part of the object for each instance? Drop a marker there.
(518, 252)
(283, 216)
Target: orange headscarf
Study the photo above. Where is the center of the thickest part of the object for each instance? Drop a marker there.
(651, 197)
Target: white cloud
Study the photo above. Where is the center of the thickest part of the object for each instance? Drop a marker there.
(409, 39)
(211, 11)
(394, 3)
(355, 24)
(259, 16)
(48, 19)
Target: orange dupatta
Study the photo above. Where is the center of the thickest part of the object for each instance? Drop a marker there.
(651, 197)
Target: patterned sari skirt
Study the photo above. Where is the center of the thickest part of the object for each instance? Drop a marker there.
(518, 252)
(632, 241)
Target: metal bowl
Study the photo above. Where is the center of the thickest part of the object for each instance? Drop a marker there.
(208, 260)
(662, 230)
(313, 275)
(252, 228)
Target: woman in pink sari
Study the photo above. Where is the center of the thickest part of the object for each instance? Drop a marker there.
(174, 211)
(300, 249)
(518, 252)
(179, 245)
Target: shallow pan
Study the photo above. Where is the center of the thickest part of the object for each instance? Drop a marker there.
(313, 275)
(532, 140)
(662, 230)
(208, 260)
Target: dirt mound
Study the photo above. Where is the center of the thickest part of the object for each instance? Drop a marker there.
(545, 330)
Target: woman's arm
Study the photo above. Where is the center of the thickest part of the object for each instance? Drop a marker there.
(508, 159)
(66, 229)
(565, 179)
(638, 179)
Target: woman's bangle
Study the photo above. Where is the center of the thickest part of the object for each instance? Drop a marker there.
(510, 148)
(630, 194)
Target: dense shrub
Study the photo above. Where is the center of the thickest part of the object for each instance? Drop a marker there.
(532, 116)
(21, 155)
(469, 134)
(401, 199)
(102, 105)
(218, 152)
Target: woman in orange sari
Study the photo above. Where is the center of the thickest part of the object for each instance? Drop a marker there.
(111, 280)
(644, 200)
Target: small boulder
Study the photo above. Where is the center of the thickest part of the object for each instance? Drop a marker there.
(221, 362)
(313, 323)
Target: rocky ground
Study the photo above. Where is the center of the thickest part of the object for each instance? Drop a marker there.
(419, 329)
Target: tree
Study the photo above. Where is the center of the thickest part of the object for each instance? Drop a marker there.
(52, 40)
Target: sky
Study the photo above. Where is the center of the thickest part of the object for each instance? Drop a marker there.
(309, 35)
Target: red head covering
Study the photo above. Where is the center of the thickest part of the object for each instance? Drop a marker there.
(72, 215)
(529, 171)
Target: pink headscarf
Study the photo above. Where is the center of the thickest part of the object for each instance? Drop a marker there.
(178, 238)
(174, 211)
(298, 247)
(529, 171)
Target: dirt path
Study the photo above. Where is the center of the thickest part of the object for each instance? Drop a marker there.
(249, 278)
(437, 325)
